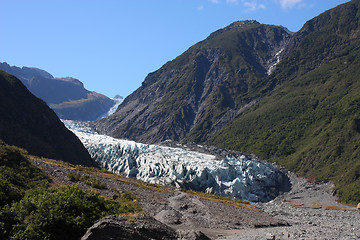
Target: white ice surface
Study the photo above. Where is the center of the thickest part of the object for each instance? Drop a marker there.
(241, 177)
(113, 109)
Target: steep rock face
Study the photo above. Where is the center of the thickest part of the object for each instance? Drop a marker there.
(200, 91)
(66, 96)
(27, 122)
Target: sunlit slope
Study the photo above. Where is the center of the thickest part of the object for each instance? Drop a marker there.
(200, 91)
(311, 122)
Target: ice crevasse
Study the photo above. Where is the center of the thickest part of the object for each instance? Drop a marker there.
(241, 177)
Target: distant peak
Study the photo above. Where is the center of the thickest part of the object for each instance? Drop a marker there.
(5, 64)
(117, 96)
(243, 24)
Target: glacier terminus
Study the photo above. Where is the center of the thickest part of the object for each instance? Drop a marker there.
(237, 177)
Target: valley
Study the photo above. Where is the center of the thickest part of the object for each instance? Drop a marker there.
(251, 133)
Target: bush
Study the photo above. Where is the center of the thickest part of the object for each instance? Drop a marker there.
(17, 175)
(74, 176)
(31, 210)
(57, 213)
(92, 182)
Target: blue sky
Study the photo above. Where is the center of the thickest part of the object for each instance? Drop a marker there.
(111, 45)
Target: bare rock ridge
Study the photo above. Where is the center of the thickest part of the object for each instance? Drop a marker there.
(199, 92)
(66, 96)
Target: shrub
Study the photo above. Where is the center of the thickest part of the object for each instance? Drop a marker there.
(57, 213)
(92, 182)
(74, 176)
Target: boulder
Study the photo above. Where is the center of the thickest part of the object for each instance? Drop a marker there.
(138, 227)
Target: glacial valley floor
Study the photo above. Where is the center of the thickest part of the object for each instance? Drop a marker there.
(311, 210)
(308, 211)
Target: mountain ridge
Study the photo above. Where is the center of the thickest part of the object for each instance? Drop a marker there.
(309, 123)
(26, 121)
(66, 96)
(181, 95)
(226, 91)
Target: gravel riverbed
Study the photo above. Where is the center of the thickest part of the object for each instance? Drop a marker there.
(311, 210)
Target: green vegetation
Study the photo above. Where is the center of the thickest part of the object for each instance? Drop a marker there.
(92, 182)
(17, 174)
(310, 123)
(56, 213)
(30, 209)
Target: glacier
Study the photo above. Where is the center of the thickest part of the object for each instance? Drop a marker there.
(118, 100)
(236, 177)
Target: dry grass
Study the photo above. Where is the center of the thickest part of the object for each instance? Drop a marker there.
(154, 187)
(333, 207)
(103, 173)
(53, 162)
(296, 204)
(318, 206)
(224, 200)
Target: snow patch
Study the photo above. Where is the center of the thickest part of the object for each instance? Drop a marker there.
(275, 62)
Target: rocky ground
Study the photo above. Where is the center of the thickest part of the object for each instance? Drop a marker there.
(308, 211)
(312, 211)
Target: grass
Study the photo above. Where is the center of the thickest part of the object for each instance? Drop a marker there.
(101, 173)
(221, 199)
(153, 187)
(92, 182)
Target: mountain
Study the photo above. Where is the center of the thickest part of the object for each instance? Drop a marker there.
(27, 122)
(199, 92)
(66, 96)
(310, 122)
(287, 97)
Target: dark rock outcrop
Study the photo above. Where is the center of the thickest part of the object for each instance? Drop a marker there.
(27, 122)
(141, 227)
